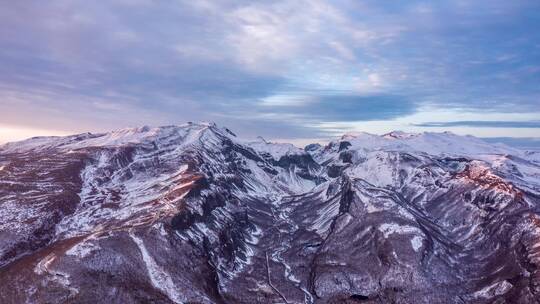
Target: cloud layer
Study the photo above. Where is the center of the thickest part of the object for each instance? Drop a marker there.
(281, 69)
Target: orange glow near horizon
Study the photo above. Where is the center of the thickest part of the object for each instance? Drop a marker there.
(15, 133)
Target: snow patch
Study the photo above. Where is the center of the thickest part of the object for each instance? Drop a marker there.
(493, 290)
(416, 243)
(390, 228)
(325, 215)
(159, 278)
(83, 249)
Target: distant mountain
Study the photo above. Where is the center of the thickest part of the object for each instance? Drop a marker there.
(191, 214)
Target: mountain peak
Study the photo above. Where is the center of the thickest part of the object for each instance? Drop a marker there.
(399, 135)
(125, 136)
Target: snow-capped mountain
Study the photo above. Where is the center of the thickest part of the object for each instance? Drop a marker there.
(192, 214)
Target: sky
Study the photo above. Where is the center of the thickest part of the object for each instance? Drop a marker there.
(297, 71)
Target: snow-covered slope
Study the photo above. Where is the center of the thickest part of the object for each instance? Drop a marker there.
(445, 143)
(274, 150)
(192, 214)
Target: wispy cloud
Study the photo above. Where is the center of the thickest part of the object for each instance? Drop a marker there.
(482, 124)
(350, 107)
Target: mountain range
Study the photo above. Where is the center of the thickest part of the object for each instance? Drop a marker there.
(193, 214)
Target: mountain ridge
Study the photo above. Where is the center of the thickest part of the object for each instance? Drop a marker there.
(148, 129)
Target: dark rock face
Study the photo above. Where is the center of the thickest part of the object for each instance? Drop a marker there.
(190, 214)
(344, 145)
(312, 147)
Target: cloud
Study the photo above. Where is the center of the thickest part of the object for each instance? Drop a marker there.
(251, 63)
(327, 108)
(482, 124)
